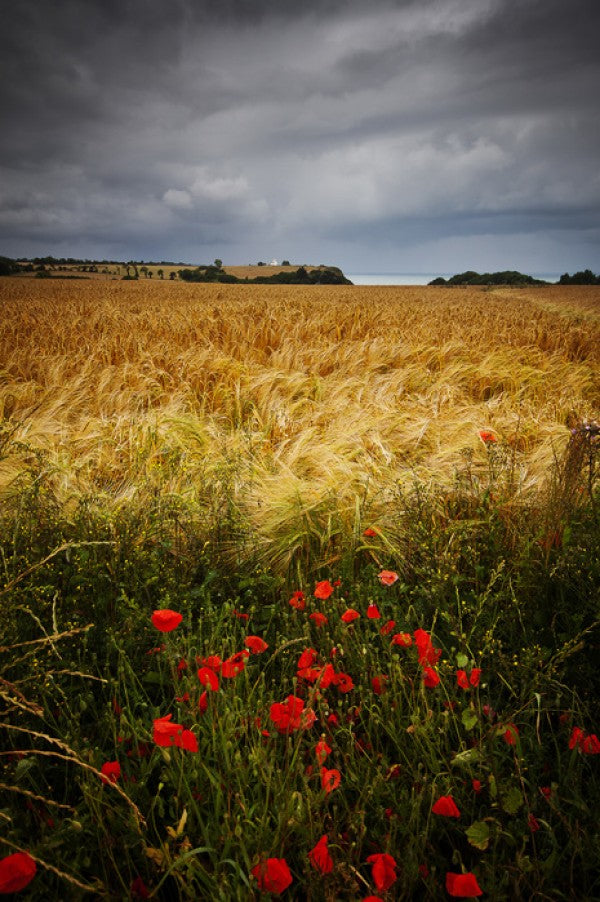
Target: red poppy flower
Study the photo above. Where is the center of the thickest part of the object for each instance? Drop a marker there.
(446, 806)
(487, 436)
(255, 644)
(424, 871)
(462, 886)
(322, 750)
(462, 679)
(590, 745)
(183, 698)
(383, 870)
(291, 715)
(234, 665)
(166, 620)
(297, 600)
(404, 639)
(330, 779)
(213, 661)
(475, 676)
(138, 889)
(319, 619)
(203, 702)
(388, 577)
(510, 734)
(181, 666)
(427, 653)
(111, 771)
(430, 677)
(333, 719)
(371, 899)
(208, 678)
(476, 784)
(337, 583)
(373, 612)
(576, 737)
(320, 857)
(532, 823)
(343, 681)
(369, 532)
(166, 734)
(273, 875)
(16, 872)
(350, 615)
(307, 658)
(387, 628)
(323, 589)
(379, 684)
(240, 615)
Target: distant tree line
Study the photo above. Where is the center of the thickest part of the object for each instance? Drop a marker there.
(584, 277)
(331, 275)
(507, 277)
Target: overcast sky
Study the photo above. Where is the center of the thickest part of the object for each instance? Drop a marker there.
(434, 135)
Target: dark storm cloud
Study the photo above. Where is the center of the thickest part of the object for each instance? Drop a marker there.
(371, 136)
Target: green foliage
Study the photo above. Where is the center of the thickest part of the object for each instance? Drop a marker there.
(83, 675)
(583, 277)
(506, 277)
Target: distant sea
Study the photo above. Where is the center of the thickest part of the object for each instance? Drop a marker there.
(420, 278)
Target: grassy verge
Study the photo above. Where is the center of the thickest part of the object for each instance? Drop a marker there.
(448, 729)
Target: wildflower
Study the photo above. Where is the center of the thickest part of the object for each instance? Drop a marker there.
(388, 577)
(350, 615)
(181, 666)
(373, 612)
(369, 532)
(318, 618)
(138, 889)
(462, 886)
(213, 661)
(166, 620)
(166, 734)
(430, 677)
(322, 750)
(16, 872)
(475, 676)
(337, 583)
(590, 745)
(511, 734)
(379, 684)
(587, 744)
(208, 678)
(533, 823)
(240, 615)
(111, 771)
(297, 600)
(343, 681)
(203, 702)
(371, 899)
(476, 784)
(487, 436)
(323, 589)
(446, 806)
(423, 871)
(273, 875)
(333, 719)
(330, 779)
(427, 653)
(255, 644)
(291, 715)
(461, 679)
(320, 857)
(234, 665)
(403, 639)
(383, 870)
(307, 658)
(387, 628)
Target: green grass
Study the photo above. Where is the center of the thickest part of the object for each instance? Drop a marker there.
(509, 588)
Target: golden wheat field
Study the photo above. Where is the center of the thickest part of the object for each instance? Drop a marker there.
(306, 408)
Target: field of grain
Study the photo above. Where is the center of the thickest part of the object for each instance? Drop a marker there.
(311, 410)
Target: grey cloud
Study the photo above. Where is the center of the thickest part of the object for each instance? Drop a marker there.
(346, 130)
